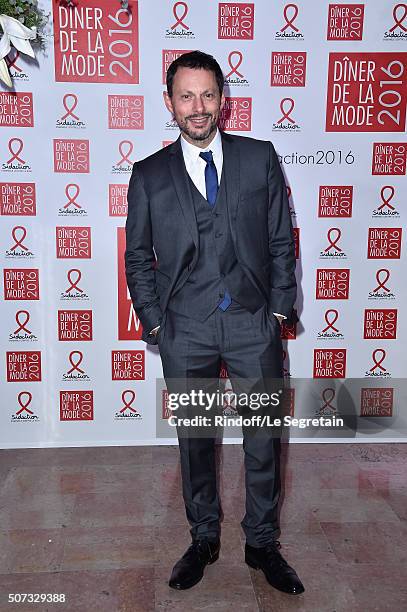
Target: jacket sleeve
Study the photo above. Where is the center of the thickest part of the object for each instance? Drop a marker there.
(139, 257)
(283, 286)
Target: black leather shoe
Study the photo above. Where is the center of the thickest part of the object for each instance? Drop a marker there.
(276, 569)
(189, 570)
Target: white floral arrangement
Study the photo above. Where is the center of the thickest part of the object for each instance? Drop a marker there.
(21, 23)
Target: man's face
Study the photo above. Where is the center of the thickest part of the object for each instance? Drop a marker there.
(196, 104)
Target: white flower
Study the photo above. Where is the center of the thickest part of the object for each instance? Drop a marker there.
(18, 35)
(4, 73)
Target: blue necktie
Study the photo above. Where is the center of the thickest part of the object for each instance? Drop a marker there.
(211, 183)
(211, 177)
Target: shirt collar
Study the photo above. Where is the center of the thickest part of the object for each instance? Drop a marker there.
(192, 151)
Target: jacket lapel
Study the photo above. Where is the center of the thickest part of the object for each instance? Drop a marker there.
(231, 168)
(180, 179)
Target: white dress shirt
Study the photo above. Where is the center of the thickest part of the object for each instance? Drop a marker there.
(195, 166)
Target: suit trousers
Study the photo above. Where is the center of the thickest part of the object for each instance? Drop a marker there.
(250, 346)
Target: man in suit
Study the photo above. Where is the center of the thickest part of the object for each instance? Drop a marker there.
(210, 267)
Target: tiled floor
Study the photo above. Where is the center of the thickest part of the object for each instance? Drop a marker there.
(105, 526)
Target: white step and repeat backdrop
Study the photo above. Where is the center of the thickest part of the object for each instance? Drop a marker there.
(326, 83)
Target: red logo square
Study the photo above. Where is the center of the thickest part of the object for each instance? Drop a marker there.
(384, 243)
(332, 284)
(329, 363)
(361, 87)
(380, 323)
(76, 405)
(335, 201)
(118, 200)
(97, 42)
(288, 68)
(128, 365)
(74, 325)
(16, 109)
(21, 284)
(345, 21)
(18, 199)
(288, 331)
(389, 158)
(376, 402)
(126, 112)
(130, 327)
(165, 411)
(236, 115)
(71, 155)
(73, 242)
(236, 20)
(23, 366)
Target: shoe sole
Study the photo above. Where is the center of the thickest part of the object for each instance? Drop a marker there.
(254, 565)
(179, 587)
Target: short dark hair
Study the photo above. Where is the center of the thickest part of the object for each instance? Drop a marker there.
(195, 59)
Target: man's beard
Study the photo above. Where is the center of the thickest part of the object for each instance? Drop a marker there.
(183, 126)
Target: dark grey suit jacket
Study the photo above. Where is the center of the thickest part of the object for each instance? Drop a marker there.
(161, 219)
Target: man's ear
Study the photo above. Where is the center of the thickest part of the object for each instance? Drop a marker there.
(167, 102)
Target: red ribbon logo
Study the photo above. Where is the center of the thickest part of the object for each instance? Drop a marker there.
(179, 20)
(325, 393)
(15, 154)
(22, 326)
(18, 242)
(382, 283)
(125, 156)
(334, 318)
(128, 404)
(290, 22)
(12, 62)
(386, 201)
(378, 362)
(75, 365)
(74, 284)
(235, 65)
(71, 198)
(286, 113)
(71, 108)
(398, 23)
(333, 243)
(24, 405)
